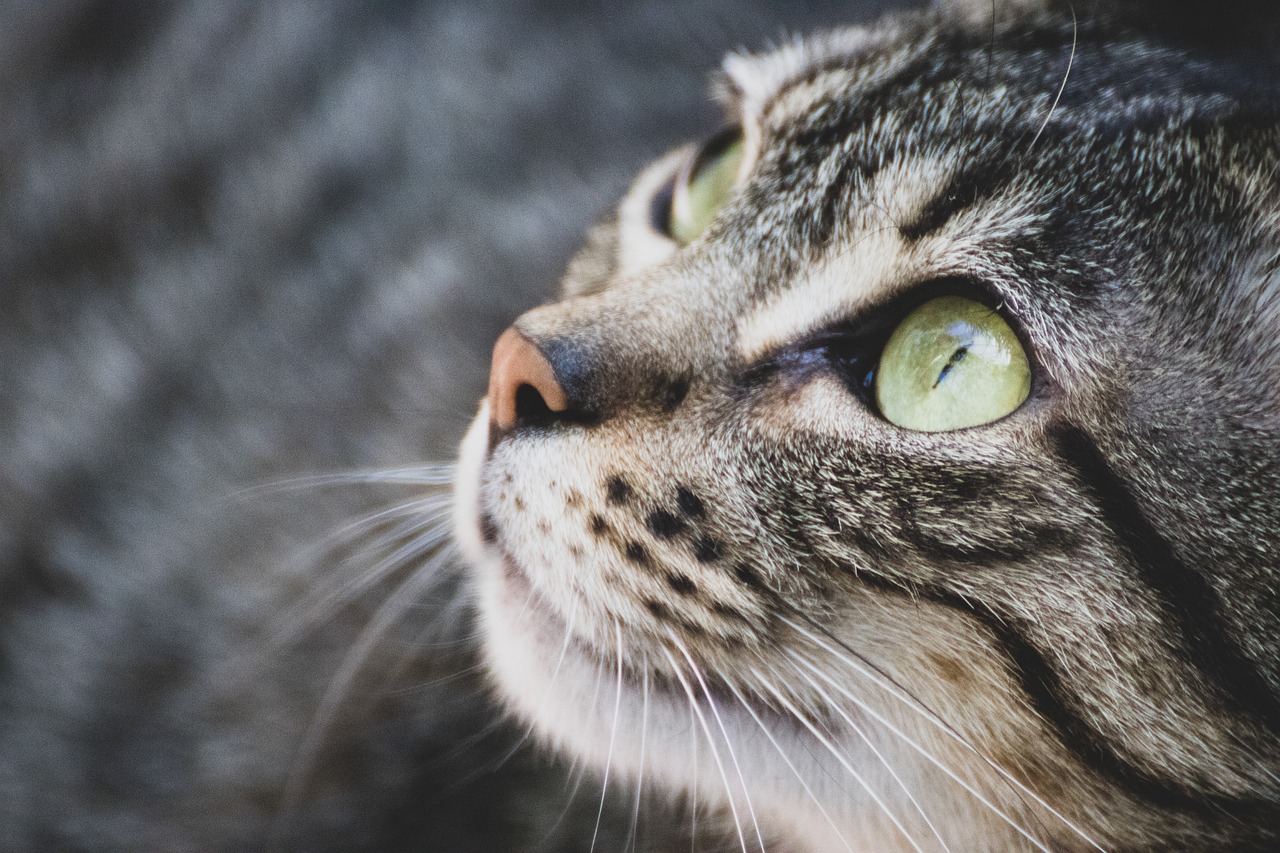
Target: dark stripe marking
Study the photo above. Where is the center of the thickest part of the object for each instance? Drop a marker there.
(977, 181)
(706, 549)
(826, 217)
(1190, 603)
(1052, 703)
(748, 576)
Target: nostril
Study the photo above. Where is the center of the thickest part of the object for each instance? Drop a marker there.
(523, 386)
(531, 409)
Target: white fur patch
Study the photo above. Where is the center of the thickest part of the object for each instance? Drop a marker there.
(640, 245)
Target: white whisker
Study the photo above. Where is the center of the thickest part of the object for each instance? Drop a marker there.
(693, 791)
(1066, 76)
(861, 733)
(387, 614)
(613, 735)
(783, 754)
(564, 647)
(319, 607)
(715, 753)
(728, 745)
(871, 712)
(431, 505)
(644, 733)
(838, 755)
(573, 785)
(513, 751)
(914, 704)
(417, 475)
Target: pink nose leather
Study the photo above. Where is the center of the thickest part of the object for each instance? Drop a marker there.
(516, 363)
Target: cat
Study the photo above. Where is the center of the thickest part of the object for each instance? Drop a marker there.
(244, 243)
(900, 468)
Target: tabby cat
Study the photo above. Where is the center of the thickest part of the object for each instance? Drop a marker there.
(900, 467)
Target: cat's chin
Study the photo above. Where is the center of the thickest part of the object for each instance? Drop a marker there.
(599, 711)
(637, 729)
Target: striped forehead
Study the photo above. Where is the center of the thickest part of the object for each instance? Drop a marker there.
(903, 148)
(871, 262)
(927, 215)
(872, 257)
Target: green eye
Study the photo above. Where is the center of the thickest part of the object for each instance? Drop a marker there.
(952, 363)
(705, 185)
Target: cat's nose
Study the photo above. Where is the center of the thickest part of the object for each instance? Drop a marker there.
(523, 386)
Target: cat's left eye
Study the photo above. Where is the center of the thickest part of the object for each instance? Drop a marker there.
(951, 363)
(704, 185)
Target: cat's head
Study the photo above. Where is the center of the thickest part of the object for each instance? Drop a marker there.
(902, 462)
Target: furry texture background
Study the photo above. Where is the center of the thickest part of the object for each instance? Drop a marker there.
(247, 242)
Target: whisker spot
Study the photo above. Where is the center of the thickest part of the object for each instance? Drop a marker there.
(617, 489)
(689, 503)
(682, 584)
(664, 524)
(637, 553)
(706, 549)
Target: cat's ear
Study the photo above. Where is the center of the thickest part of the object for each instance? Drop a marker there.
(1214, 23)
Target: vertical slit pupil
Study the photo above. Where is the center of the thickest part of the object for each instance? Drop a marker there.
(956, 358)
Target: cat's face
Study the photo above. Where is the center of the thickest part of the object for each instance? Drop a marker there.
(900, 466)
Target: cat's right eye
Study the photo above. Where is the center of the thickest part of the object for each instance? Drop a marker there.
(704, 185)
(951, 363)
